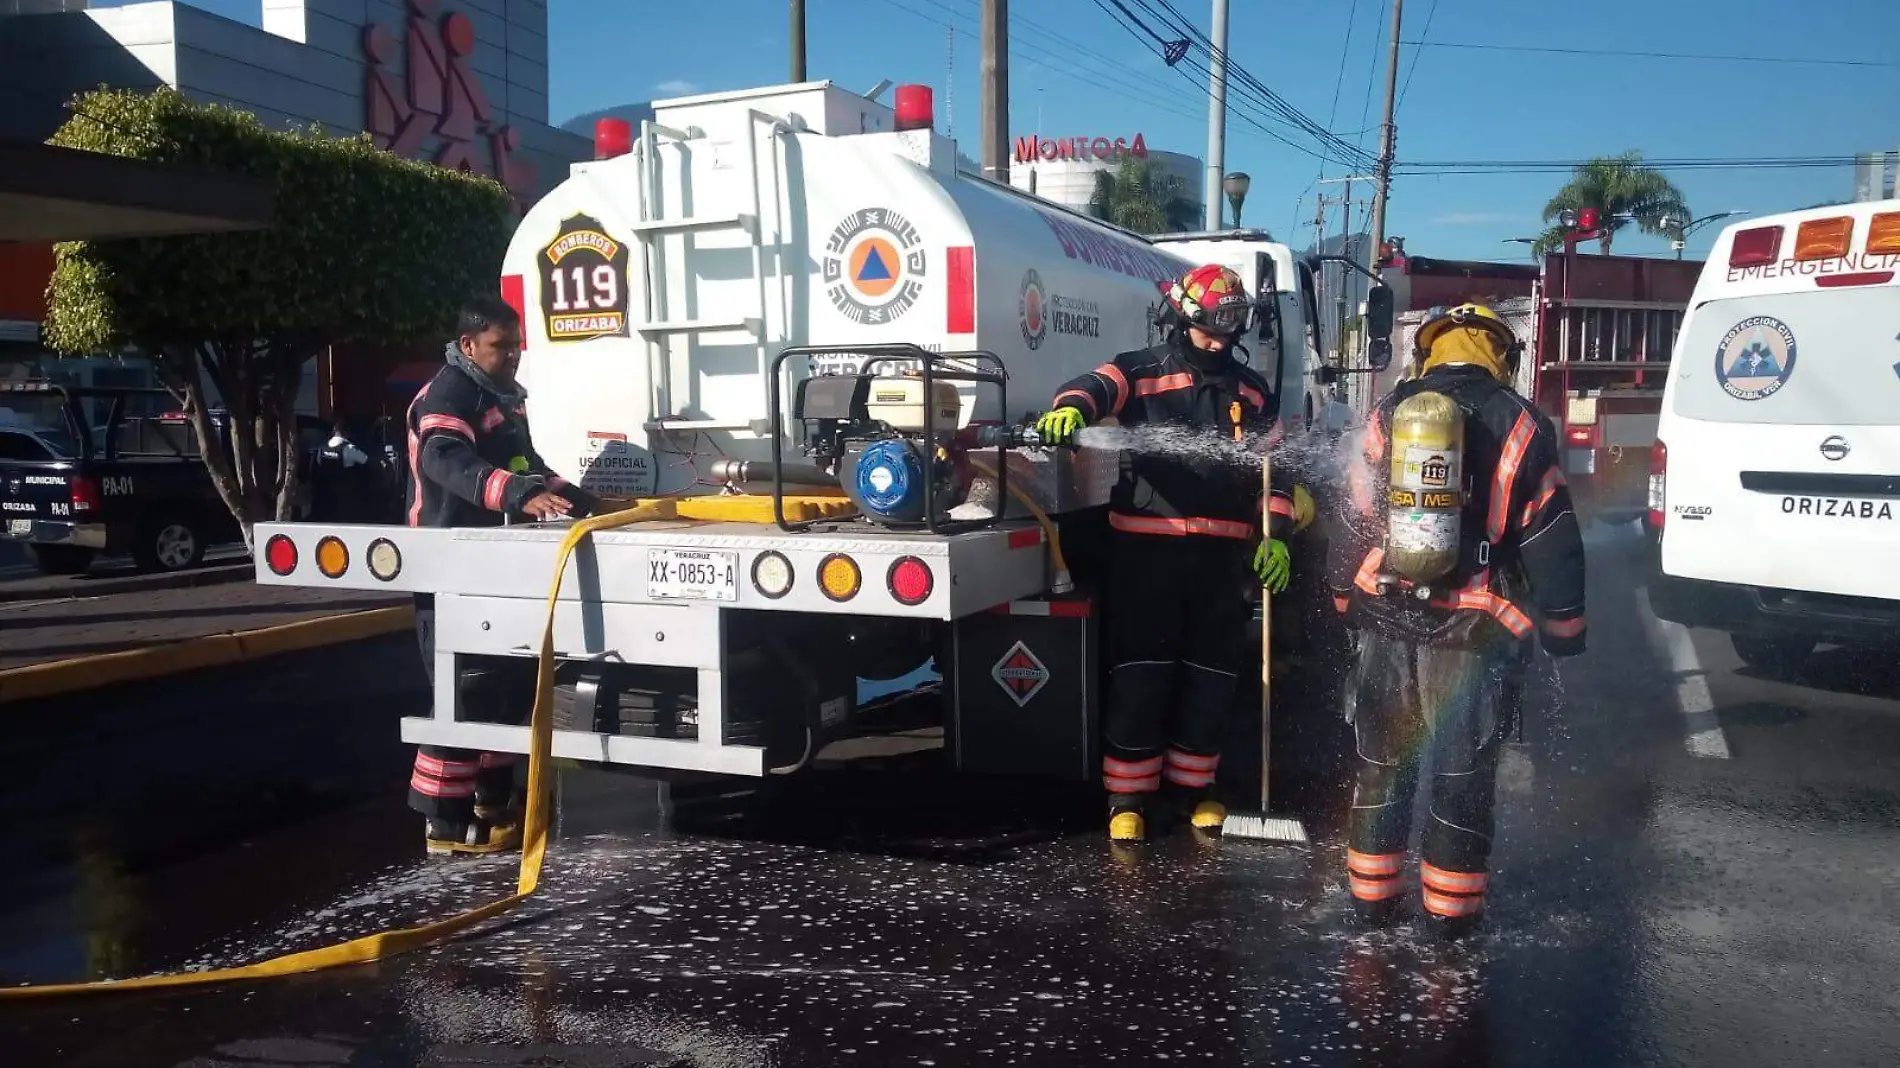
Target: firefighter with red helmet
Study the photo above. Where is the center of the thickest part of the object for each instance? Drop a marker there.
(1187, 540)
(1461, 530)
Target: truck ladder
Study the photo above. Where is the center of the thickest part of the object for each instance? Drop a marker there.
(654, 230)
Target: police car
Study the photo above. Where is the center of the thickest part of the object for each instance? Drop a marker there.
(1775, 479)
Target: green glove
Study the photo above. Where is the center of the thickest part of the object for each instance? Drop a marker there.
(1058, 427)
(1273, 564)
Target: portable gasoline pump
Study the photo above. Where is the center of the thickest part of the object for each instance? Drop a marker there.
(1425, 492)
(892, 438)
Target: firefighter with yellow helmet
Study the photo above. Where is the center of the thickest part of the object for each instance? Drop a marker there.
(1463, 534)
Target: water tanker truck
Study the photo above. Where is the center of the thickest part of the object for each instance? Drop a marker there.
(790, 316)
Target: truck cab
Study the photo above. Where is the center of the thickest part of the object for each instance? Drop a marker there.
(1285, 349)
(1775, 477)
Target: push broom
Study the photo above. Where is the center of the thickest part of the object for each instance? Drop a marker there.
(1262, 824)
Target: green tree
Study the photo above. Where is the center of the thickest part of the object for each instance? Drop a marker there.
(1138, 195)
(1616, 186)
(365, 247)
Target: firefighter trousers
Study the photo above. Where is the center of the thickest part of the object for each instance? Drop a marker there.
(448, 783)
(1412, 707)
(1178, 610)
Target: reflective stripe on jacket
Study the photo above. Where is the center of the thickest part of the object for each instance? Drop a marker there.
(470, 460)
(1184, 492)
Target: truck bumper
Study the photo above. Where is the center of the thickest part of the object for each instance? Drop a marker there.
(57, 532)
(1756, 610)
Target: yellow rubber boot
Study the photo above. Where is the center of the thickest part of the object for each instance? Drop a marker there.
(1208, 816)
(1127, 825)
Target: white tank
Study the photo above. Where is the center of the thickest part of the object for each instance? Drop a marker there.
(658, 286)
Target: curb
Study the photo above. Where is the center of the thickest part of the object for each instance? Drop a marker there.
(73, 589)
(193, 654)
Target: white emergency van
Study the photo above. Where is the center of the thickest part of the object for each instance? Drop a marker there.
(1775, 479)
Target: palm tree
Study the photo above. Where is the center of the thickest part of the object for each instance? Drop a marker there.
(1140, 196)
(1622, 189)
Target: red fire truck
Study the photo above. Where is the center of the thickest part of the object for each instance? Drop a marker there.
(1597, 334)
(1597, 362)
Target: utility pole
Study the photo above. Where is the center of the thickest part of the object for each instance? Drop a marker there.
(1388, 135)
(798, 41)
(1216, 119)
(995, 134)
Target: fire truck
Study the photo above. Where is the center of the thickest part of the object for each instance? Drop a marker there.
(791, 326)
(1597, 333)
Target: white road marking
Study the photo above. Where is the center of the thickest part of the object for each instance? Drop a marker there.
(1673, 640)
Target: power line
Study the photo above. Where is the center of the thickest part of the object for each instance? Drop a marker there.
(1242, 83)
(1635, 54)
(1658, 163)
(1247, 80)
(1352, 20)
(1417, 49)
(1093, 83)
(1237, 102)
(1372, 74)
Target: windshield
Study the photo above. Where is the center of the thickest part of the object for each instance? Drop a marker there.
(43, 414)
(1822, 358)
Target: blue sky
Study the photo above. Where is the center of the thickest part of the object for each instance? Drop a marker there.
(1076, 71)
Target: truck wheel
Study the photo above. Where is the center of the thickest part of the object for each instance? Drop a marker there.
(1779, 654)
(60, 559)
(168, 542)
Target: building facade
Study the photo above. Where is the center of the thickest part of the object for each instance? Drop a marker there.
(1065, 169)
(462, 83)
(1876, 176)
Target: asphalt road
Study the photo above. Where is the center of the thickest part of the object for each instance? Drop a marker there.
(1695, 866)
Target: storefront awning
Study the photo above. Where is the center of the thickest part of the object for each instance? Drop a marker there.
(62, 194)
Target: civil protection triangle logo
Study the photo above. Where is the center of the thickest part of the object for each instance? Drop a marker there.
(1021, 675)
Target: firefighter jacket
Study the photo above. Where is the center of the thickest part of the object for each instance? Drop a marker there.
(1183, 493)
(1521, 545)
(470, 461)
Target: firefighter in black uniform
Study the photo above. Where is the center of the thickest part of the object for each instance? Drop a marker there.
(1186, 535)
(471, 464)
(1439, 662)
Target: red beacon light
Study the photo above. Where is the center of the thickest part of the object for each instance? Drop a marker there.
(915, 107)
(1754, 247)
(1589, 219)
(612, 137)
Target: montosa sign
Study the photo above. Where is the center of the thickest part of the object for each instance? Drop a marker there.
(1030, 149)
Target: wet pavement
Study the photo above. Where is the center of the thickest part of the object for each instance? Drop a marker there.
(1650, 906)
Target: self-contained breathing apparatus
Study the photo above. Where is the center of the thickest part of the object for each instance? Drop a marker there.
(1426, 556)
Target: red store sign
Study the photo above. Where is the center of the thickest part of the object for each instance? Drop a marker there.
(1031, 149)
(435, 92)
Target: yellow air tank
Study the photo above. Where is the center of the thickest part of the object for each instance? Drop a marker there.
(1426, 487)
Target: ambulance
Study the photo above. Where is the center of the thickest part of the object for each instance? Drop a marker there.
(1775, 479)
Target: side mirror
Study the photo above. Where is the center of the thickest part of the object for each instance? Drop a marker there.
(1379, 350)
(1379, 315)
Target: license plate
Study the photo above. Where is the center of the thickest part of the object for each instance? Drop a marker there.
(21, 527)
(692, 575)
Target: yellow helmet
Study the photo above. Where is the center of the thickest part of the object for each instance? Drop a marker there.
(1469, 334)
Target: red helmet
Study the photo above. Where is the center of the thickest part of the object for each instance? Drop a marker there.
(1212, 298)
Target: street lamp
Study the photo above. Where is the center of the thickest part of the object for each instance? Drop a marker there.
(1236, 185)
(1683, 230)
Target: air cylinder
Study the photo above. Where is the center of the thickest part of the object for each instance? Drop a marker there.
(1426, 489)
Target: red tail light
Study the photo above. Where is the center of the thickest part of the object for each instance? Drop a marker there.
(1581, 437)
(85, 493)
(1658, 478)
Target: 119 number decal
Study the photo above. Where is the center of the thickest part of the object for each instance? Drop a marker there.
(571, 291)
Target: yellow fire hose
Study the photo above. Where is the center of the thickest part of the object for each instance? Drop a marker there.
(534, 842)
